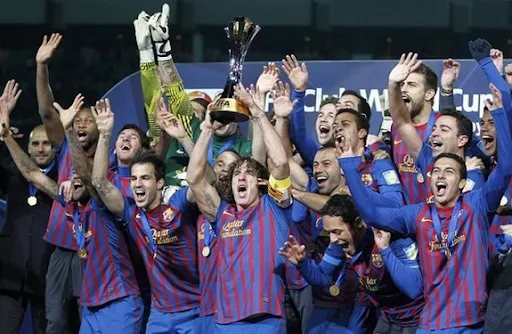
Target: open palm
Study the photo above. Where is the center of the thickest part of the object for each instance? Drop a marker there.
(405, 66)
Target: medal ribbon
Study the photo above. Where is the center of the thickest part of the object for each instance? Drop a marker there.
(147, 231)
(451, 227)
(430, 126)
(342, 274)
(32, 190)
(229, 144)
(503, 242)
(79, 228)
(207, 234)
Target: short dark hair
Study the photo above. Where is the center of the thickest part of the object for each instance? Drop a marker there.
(341, 206)
(329, 100)
(464, 124)
(230, 151)
(363, 106)
(460, 161)
(144, 140)
(147, 157)
(362, 121)
(261, 171)
(429, 76)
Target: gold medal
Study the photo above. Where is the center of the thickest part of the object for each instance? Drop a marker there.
(32, 200)
(334, 290)
(420, 178)
(206, 251)
(82, 253)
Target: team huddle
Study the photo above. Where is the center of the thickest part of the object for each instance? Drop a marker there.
(194, 228)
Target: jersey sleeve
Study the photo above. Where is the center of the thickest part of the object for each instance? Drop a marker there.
(129, 209)
(388, 182)
(364, 197)
(151, 92)
(401, 260)
(494, 77)
(475, 180)
(305, 145)
(322, 274)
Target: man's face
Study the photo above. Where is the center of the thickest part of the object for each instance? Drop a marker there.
(340, 233)
(414, 93)
(85, 128)
(346, 130)
(226, 130)
(324, 123)
(145, 187)
(446, 183)
(40, 149)
(348, 102)
(326, 171)
(245, 186)
(222, 164)
(488, 133)
(79, 191)
(445, 138)
(199, 110)
(127, 145)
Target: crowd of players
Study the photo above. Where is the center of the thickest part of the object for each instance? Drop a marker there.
(193, 228)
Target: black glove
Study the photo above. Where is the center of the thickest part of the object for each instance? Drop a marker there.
(479, 49)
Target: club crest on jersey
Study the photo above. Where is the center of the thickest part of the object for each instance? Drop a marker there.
(407, 165)
(377, 260)
(168, 215)
(367, 179)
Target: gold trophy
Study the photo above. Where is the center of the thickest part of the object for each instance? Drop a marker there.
(240, 32)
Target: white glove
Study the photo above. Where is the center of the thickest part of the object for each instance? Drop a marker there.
(143, 38)
(158, 25)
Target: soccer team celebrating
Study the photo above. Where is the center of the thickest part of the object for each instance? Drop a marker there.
(194, 228)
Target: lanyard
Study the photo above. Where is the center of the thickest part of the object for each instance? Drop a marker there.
(208, 234)
(126, 173)
(430, 126)
(147, 231)
(503, 242)
(342, 274)
(79, 228)
(225, 147)
(32, 190)
(451, 228)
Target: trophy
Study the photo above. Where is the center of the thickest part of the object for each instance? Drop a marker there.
(240, 32)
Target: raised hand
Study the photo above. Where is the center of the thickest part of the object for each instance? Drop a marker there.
(382, 238)
(474, 163)
(208, 123)
(497, 101)
(283, 106)
(158, 25)
(142, 34)
(297, 73)
(68, 115)
(497, 59)
(8, 101)
(268, 78)
(47, 48)
(245, 95)
(407, 64)
(66, 190)
(169, 122)
(451, 70)
(479, 49)
(104, 116)
(293, 252)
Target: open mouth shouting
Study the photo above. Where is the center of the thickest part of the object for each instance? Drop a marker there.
(140, 195)
(81, 136)
(436, 144)
(488, 141)
(406, 100)
(324, 129)
(321, 180)
(241, 190)
(440, 188)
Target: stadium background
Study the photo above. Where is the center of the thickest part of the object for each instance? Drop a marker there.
(360, 39)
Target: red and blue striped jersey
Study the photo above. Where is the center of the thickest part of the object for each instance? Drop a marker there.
(293, 278)
(250, 269)
(172, 272)
(376, 280)
(414, 191)
(207, 268)
(107, 271)
(59, 233)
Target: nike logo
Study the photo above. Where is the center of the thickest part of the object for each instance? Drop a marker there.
(227, 213)
(396, 142)
(426, 220)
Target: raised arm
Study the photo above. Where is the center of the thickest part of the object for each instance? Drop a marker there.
(312, 200)
(399, 112)
(451, 69)
(299, 77)
(8, 101)
(44, 92)
(207, 198)
(28, 168)
(81, 163)
(109, 194)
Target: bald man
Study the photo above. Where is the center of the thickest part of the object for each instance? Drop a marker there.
(24, 255)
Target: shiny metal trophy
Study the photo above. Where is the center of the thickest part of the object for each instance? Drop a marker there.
(240, 33)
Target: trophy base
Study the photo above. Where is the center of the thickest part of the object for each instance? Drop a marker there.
(228, 110)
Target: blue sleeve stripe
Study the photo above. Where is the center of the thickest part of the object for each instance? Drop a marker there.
(331, 260)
